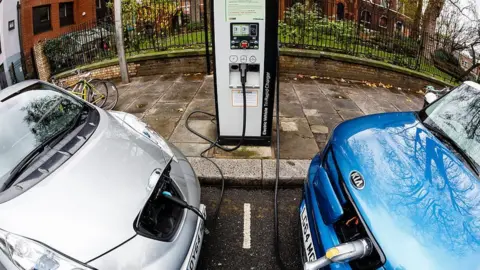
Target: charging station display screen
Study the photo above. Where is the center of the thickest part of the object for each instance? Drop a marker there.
(241, 30)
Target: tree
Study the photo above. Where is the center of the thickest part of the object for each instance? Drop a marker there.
(417, 18)
(429, 22)
(458, 30)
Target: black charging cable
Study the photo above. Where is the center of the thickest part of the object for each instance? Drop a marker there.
(277, 168)
(183, 204)
(243, 68)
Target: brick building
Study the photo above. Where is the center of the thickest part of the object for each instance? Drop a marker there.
(47, 19)
(466, 61)
(375, 14)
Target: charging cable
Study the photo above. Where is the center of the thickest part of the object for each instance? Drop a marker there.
(243, 68)
(183, 204)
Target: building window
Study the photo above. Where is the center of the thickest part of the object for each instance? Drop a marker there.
(41, 19)
(399, 26)
(340, 11)
(383, 22)
(366, 17)
(66, 14)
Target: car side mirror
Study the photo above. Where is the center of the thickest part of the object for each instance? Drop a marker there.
(429, 98)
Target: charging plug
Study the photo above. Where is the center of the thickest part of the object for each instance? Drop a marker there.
(182, 204)
(243, 73)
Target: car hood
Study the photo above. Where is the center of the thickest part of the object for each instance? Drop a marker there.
(420, 202)
(88, 205)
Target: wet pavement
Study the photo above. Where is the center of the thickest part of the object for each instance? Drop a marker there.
(309, 110)
(224, 247)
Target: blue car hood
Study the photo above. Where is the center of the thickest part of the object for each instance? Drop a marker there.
(420, 202)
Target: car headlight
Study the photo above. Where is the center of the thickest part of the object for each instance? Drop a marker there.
(29, 254)
(142, 128)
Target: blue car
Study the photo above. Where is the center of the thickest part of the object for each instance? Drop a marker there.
(398, 190)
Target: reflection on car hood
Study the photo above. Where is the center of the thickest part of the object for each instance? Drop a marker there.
(419, 201)
(88, 206)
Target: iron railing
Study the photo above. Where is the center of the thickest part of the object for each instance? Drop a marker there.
(363, 29)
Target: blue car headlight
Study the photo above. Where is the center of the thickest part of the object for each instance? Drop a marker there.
(29, 254)
(143, 128)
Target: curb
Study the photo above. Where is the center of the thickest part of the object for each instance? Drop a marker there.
(250, 172)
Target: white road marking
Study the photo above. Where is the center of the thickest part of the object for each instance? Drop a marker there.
(246, 226)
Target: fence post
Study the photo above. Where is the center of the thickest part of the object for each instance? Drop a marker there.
(122, 61)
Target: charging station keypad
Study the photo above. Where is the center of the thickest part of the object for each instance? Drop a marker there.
(244, 36)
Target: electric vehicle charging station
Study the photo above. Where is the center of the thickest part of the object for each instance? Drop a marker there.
(246, 52)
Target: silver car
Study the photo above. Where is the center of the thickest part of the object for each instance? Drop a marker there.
(82, 188)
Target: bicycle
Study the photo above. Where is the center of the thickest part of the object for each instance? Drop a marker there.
(101, 93)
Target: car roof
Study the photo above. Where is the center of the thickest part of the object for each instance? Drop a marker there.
(16, 87)
(473, 84)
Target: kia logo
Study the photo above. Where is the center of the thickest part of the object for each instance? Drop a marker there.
(357, 180)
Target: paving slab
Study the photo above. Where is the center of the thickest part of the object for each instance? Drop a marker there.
(181, 92)
(206, 91)
(298, 126)
(347, 115)
(206, 105)
(145, 80)
(167, 109)
(245, 152)
(204, 127)
(319, 129)
(237, 172)
(312, 98)
(142, 103)
(292, 172)
(297, 144)
(159, 87)
(162, 125)
(192, 149)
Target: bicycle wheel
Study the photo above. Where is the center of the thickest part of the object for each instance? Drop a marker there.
(112, 97)
(98, 93)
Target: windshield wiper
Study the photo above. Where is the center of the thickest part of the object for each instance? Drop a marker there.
(27, 160)
(446, 138)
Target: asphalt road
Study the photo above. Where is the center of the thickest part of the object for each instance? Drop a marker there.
(226, 246)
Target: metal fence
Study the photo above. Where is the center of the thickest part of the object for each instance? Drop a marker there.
(359, 28)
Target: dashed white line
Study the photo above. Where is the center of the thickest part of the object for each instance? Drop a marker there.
(246, 226)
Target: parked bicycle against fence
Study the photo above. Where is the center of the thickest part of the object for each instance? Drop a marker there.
(101, 93)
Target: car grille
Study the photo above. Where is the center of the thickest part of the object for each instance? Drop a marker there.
(350, 226)
(160, 218)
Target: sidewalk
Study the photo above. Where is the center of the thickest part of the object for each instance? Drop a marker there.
(309, 110)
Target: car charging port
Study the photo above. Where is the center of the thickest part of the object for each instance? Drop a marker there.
(161, 217)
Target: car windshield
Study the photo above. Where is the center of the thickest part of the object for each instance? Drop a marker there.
(457, 115)
(30, 118)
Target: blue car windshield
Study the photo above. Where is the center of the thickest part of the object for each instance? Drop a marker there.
(457, 115)
(30, 118)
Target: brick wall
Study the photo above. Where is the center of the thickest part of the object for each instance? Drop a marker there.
(29, 39)
(289, 65)
(41, 62)
(324, 67)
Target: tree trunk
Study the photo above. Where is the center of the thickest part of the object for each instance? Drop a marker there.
(417, 19)
(429, 24)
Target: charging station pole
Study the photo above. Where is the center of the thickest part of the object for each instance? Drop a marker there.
(246, 50)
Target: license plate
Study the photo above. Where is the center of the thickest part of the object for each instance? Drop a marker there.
(194, 252)
(306, 234)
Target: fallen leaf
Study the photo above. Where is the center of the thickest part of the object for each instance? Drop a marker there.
(313, 77)
(300, 76)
